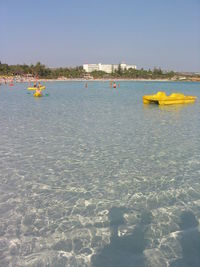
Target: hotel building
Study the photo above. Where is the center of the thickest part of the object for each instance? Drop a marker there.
(109, 68)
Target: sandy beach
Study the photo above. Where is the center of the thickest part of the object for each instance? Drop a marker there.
(20, 79)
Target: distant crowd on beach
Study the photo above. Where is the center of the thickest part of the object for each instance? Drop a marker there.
(13, 79)
(7, 80)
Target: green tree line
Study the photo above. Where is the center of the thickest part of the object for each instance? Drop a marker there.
(41, 71)
(156, 73)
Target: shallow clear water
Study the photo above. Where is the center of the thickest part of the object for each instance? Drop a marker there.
(92, 177)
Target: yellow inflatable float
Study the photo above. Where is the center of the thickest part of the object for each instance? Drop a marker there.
(34, 88)
(162, 99)
(37, 94)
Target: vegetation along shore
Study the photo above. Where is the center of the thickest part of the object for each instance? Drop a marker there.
(22, 73)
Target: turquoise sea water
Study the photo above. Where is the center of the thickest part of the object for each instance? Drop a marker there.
(92, 177)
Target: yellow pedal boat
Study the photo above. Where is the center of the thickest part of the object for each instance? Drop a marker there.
(162, 99)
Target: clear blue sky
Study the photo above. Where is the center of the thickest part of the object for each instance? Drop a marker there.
(148, 33)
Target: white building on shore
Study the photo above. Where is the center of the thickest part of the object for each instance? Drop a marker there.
(109, 68)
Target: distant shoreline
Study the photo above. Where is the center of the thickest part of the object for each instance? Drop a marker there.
(117, 80)
(9, 80)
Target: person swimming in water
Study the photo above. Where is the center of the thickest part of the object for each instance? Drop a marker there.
(38, 90)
